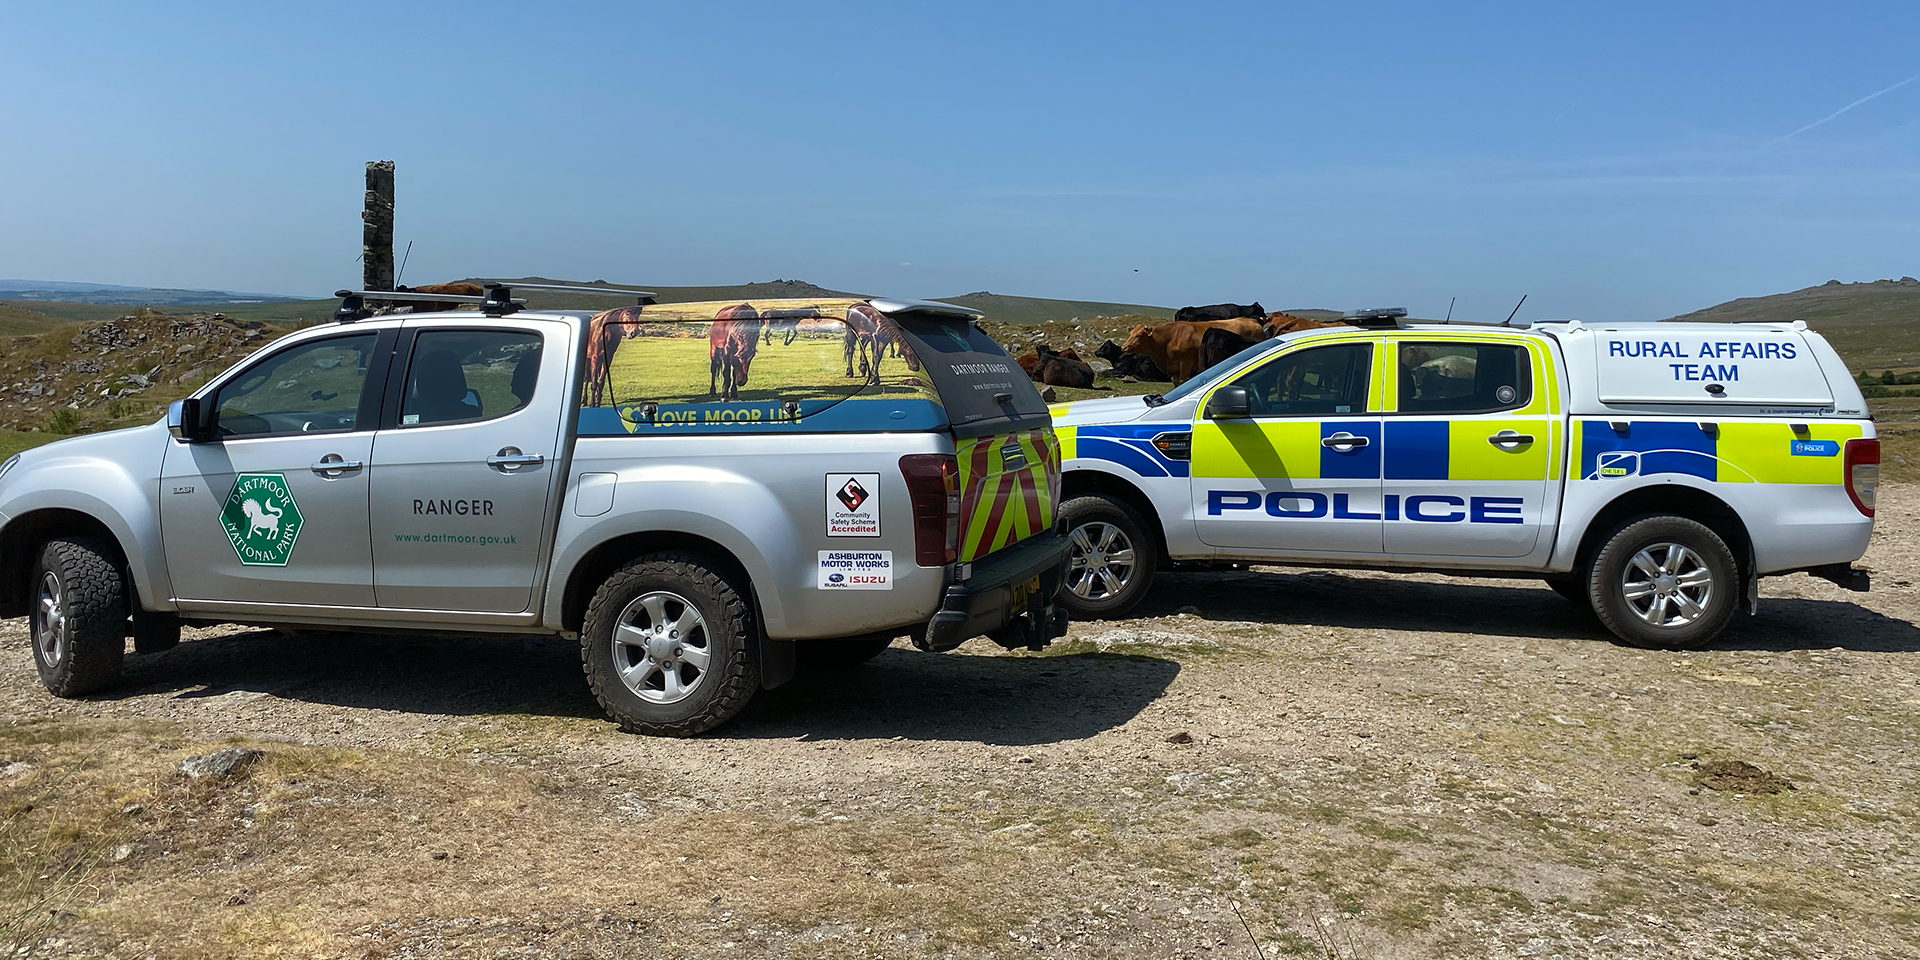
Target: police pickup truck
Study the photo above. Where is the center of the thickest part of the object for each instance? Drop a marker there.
(1651, 471)
(702, 493)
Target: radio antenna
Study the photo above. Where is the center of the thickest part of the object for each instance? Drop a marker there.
(1516, 311)
(403, 264)
(1450, 302)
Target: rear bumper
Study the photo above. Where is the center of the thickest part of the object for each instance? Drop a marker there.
(986, 602)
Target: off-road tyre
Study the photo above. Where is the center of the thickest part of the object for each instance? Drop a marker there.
(1086, 512)
(91, 601)
(820, 656)
(733, 673)
(1606, 589)
(153, 632)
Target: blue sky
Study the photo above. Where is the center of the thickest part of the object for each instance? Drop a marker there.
(1614, 161)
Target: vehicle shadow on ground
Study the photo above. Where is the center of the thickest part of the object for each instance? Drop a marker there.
(1500, 608)
(1006, 701)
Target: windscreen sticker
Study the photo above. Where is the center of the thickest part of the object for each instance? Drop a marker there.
(856, 570)
(853, 504)
(261, 519)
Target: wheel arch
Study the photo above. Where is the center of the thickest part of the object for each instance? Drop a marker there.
(597, 564)
(1673, 499)
(24, 535)
(1088, 482)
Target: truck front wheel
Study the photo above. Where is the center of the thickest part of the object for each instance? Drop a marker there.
(1664, 582)
(79, 617)
(1111, 558)
(666, 647)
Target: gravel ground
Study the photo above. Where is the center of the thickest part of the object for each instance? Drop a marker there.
(1271, 762)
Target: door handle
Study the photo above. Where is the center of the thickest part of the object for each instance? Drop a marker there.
(510, 459)
(333, 465)
(1510, 438)
(1346, 440)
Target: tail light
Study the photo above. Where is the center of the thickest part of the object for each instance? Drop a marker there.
(1862, 463)
(933, 484)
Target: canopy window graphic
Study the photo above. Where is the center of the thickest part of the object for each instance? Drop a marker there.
(261, 519)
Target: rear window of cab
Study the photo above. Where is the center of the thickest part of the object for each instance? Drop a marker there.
(773, 366)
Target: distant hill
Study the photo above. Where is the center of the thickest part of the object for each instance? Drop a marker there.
(61, 291)
(1873, 325)
(1009, 309)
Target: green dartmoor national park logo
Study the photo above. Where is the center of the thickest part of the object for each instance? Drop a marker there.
(261, 519)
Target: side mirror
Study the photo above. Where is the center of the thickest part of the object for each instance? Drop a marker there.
(1230, 403)
(187, 420)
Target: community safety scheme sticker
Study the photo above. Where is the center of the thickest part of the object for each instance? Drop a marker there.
(856, 570)
(853, 504)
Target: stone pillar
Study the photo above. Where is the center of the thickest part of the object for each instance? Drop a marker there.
(376, 238)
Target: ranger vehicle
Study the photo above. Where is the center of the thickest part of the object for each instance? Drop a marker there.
(696, 491)
(1650, 471)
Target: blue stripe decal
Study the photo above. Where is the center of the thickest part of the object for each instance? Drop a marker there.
(1128, 443)
(1664, 446)
(1124, 454)
(1361, 463)
(1417, 449)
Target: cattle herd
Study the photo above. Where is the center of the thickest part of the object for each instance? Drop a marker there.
(1195, 339)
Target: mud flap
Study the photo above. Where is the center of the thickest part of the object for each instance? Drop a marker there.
(778, 661)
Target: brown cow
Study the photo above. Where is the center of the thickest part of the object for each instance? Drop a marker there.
(731, 342)
(604, 333)
(1279, 323)
(1028, 361)
(1063, 369)
(1175, 346)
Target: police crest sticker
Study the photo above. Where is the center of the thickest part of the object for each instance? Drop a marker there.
(261, 519)
(853, 504)
(856, 570)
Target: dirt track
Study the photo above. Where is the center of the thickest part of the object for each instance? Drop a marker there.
(1396, 766)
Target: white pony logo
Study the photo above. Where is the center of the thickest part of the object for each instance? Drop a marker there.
(262, 517)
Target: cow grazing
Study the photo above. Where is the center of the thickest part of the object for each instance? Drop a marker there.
(731, 342)
(1217, 345)
(1063, 369)
(604, 333)
(1220, 311)
(1136, 365)
(1175, 346)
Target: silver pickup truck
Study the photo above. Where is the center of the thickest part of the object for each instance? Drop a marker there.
(704, 494)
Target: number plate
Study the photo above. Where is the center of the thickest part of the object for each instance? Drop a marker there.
(1023, 591)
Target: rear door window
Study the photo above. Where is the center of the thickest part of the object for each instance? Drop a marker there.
(461, 376)
(1463, 377)
(982, 388)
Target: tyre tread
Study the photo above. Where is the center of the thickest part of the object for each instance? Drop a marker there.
(734, 688)
(95, 592)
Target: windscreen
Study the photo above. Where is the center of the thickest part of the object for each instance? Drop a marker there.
(1214, 372)
(982, 388)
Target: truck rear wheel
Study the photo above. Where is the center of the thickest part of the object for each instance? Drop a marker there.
(1111, 558)
(666, 646)
(78, 620)
(1664, 582)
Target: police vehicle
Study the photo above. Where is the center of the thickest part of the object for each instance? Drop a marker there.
(704, 494)
(1652, 471)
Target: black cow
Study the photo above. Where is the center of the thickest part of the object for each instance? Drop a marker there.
(1136, 365)
(1221, 311)
(1217, 345)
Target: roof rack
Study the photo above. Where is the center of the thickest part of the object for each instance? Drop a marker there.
(353, 303)
(499, 299)
(1375, 317)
